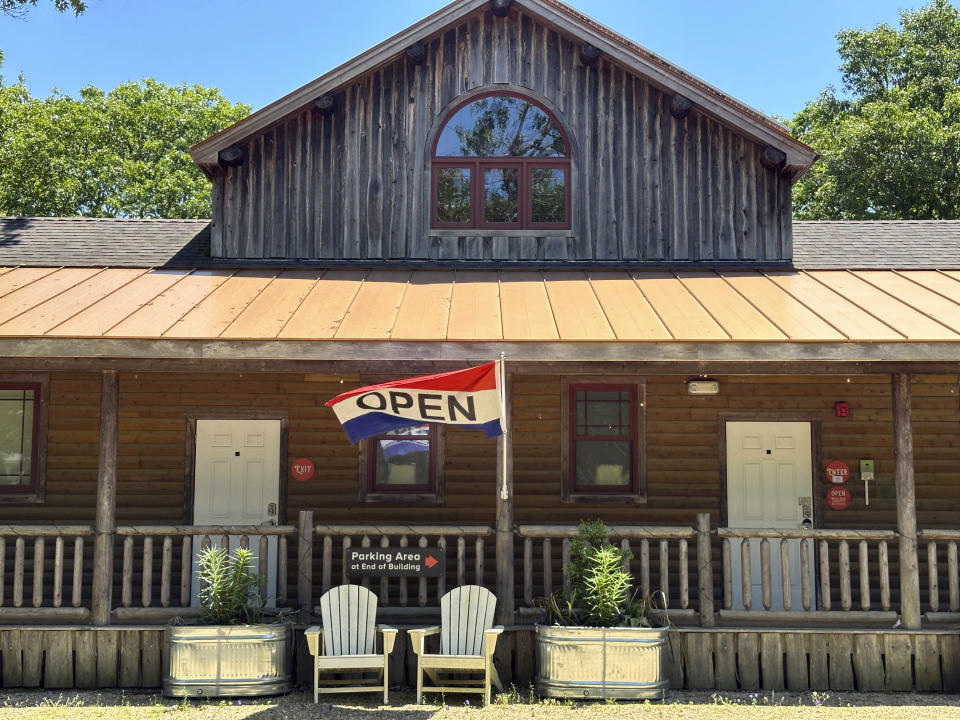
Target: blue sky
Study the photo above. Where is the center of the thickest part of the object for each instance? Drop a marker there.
(774, 56)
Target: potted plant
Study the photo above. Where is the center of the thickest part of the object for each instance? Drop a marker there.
(598, 639)
(233, 651)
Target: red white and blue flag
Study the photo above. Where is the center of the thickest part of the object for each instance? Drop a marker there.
(470, 398)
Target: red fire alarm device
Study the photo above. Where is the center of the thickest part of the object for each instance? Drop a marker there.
(841, 409)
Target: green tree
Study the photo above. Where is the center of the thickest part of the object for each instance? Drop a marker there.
(890, 145)
(122, 153)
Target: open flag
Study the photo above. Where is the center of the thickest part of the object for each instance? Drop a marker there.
(470, 398)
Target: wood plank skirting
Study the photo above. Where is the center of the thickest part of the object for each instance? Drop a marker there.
(699, 659)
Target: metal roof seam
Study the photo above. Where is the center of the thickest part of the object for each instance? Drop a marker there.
(198, 302)
(769, 319)
(453, 287)
(713, 317)
(600, 305)
(51, 297)
(249, 302)
(806, 305)
(553, 314)
(148, 302)
(500, 303)
(39, 277)
(653, 308)
(910, 305)
(348, 305)
(87, 307)
(403, 294)
(303, 298)
(858, 305)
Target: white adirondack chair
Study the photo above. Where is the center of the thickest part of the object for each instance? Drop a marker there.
(349, 614)
(467, 641)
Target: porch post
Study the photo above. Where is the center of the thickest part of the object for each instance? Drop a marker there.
(906, 504)
(505, 511)
(704, 570)
(305, 564)
(106, 520)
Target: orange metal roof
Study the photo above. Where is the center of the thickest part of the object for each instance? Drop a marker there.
(481, 305)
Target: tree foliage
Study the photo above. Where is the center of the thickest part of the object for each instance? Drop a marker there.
(20, 7)
(121, 153)
(890, 146)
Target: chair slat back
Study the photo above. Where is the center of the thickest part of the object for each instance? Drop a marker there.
(465, 612)
(349, 616)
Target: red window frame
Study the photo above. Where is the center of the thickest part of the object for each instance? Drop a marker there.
(429, 488)
(34, 485)
(478, 164)
(633, 437)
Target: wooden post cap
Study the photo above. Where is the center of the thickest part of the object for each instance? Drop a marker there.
(773, 159)
(501, 8)
(680, 106)
(589, 54)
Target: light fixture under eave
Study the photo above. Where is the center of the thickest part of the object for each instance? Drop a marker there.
(703, 386)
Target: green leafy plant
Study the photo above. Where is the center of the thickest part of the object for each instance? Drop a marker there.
(600, 584)
(229, 588)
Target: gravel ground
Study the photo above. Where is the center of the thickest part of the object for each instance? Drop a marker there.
(115, 705)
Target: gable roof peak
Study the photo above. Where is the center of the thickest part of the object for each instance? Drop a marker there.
(634, 57)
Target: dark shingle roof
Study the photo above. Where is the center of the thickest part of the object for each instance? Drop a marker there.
(887, 245)
(877, 244)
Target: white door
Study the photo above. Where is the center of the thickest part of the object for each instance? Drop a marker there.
(237, 482)
(769, 485)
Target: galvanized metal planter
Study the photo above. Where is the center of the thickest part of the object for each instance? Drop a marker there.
(229, 660)
(593, 662)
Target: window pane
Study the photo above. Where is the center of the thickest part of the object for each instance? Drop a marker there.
(403, 458)
(603, 463)
(16, 436)
(501, 126)
(548, 196)
(603, 413)
(500, 195)
(453, 195)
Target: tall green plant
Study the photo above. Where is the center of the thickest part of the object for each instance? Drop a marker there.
(230, 589)
(600, 590)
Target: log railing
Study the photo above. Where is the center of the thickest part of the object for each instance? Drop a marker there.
(469, 555)
(935, 546)
(845, 572)
(47, 556)
(661, 560)
(162, 558)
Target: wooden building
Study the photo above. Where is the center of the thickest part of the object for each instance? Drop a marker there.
(683, 361)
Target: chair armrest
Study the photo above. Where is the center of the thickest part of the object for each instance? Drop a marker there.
(389, 638)
(314, 633)
(417, 636)
(491, 636)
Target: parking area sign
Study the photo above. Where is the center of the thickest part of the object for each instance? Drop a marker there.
(395, 562)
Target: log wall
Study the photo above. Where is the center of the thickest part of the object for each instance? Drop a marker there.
(354, 185)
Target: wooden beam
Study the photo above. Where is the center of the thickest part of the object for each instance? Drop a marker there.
(906, 501)
(501, 8)
(417, 54)
(106, 519)
(773, 159)
(589, 54)
(504, 526)
(326, 104)
(680, 106)
(232, 156)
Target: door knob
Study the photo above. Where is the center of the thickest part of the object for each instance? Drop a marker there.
(272, 509)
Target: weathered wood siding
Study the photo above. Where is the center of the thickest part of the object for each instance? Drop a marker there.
(647, 187)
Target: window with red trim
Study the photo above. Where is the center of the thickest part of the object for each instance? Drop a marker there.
(403, 464)
(501, 161)
(603, 445)
(19, 435)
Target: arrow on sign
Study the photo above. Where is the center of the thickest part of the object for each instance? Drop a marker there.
(430, 561)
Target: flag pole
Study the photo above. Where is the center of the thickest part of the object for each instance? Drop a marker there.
(501, 385)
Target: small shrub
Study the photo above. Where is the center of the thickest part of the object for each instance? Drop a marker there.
(230, 589)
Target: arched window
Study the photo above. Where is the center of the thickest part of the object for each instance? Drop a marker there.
(501, 161)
